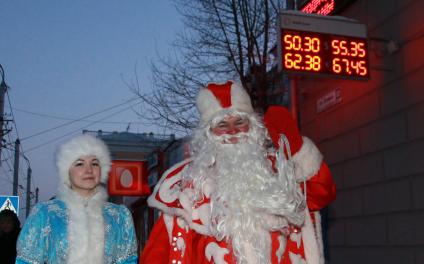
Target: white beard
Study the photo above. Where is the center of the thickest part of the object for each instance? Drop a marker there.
(248, 200)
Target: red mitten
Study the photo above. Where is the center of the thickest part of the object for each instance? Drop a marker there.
(278, 120)
(304, 153)
(309, 166)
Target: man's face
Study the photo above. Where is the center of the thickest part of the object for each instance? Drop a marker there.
(231, 125)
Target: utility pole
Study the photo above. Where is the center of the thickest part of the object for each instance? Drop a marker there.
(16, 168)
(28, 193)
(3, 89)
(36, 195)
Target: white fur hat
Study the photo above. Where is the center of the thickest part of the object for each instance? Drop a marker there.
(217, 97)
(79, 146)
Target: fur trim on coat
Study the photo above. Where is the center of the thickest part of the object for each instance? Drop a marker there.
(77, 147)
(307, 160)
(86, 229)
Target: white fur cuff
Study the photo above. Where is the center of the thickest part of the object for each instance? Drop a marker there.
(307, 160)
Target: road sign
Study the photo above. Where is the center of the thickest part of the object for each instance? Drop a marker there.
(9, 202)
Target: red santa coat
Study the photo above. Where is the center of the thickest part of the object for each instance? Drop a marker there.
(181, 234)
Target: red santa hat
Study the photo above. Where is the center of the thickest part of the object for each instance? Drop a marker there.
(218, 97)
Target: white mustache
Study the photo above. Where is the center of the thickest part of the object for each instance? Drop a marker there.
(226, 138)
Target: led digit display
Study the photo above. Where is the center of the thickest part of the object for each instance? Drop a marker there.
(312, 52)
(323, 7)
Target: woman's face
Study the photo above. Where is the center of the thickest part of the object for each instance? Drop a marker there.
(84, 175)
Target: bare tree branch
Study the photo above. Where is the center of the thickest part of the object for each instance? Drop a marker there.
(223, 39)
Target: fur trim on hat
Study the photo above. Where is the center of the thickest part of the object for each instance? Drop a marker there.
(209, 105)
(77, 147)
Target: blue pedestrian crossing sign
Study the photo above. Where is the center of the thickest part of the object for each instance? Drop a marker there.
(9, 202)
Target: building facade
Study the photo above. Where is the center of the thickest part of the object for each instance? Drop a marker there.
(372, 136)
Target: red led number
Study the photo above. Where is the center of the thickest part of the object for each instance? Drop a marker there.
(324, 53)
(291, 61)
(347, 53)
(313, 63)
(349, 66)
(359, 67)
(296, 59)
(297, 43)
(351, 48)
(359, 48)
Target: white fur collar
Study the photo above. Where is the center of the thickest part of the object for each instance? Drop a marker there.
(86, 232)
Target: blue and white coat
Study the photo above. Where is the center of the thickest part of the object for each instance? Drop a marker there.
(73, 229)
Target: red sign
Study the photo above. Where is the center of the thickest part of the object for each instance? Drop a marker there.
(128, 178)
(315, 52)
(321, 7)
